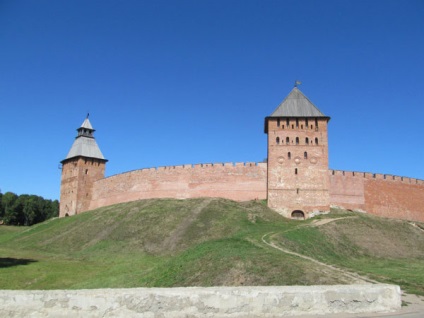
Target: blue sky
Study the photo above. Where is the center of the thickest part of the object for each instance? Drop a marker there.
(180, 82)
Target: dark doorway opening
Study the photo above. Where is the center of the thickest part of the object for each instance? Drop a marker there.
(298, 215)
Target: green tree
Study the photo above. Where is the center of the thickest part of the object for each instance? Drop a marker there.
(26, 209)
(1, 206)
(9, 200)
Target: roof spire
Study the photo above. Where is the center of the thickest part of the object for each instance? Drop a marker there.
(297, 83)
(88, 115)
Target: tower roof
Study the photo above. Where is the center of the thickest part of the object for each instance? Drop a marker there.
(86, 124)
(296, 104)
(85, 145)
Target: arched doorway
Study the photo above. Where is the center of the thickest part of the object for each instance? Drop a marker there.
(298, 215)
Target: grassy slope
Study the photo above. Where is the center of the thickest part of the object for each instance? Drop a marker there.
(203, 242)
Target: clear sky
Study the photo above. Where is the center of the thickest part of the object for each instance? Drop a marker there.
(180, 82)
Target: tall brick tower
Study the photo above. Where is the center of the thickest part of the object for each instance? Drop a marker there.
(298, 181)
(83, 165)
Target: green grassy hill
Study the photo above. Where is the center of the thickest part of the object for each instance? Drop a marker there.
(208, 242)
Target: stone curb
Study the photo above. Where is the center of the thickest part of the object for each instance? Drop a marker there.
(272, 301)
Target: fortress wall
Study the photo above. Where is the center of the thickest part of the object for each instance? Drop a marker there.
(239, 182)
(379, 194)
(400, 199)
(347, 189)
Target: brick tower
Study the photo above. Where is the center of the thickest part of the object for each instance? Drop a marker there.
(83, 165)
(298, 181)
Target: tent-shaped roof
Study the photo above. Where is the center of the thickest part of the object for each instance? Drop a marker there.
(85, 145)
(296, 104)
(86, 124)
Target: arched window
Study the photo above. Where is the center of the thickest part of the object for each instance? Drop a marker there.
(288, 122)
(301, 126)
(305, 155)
(295, 171)
(306, 123)
(297, 122)
(307, 140)
(277, 140)
(316, 123)
(316, 141)
(297, 140)
(278, 122)
(289, 155)
(287, 140)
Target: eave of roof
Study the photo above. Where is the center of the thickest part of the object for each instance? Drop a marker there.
(85, 147)
(295, 105)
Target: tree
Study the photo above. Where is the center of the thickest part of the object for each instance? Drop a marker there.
(1, 206)
(26, 209)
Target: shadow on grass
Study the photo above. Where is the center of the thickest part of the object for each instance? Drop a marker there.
(9, 262)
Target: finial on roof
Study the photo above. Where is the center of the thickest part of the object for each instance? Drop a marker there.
(88, 115)
(297, 83)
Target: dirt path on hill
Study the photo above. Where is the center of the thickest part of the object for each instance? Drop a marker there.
(175, 236)
(339, 273)
(325, 221)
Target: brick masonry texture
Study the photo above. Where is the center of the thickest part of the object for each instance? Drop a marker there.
(298, 165)
(383, 195)
(240, 182)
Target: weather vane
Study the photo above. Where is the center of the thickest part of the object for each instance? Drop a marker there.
(297, 83)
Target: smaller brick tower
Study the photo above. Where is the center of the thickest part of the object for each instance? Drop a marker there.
(83, 165)
(298, 181)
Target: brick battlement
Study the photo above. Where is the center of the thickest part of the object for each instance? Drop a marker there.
(379, 176)
(238, 181)
(203, 166)
(381, 194)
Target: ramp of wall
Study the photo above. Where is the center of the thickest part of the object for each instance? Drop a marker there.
(239, 182)
(272, 301)
(379, 194)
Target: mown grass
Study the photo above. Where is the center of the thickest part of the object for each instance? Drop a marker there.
(390, 251)
(203, 242)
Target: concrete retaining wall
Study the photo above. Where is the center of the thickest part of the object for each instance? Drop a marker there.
(201, 302)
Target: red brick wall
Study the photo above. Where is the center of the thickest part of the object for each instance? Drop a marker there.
(383, 195)
(240, 182)
(78, 175)
(347, 189)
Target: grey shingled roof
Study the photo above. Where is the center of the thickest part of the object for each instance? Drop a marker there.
(86, 124)
(296, 104)
(84, 145)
